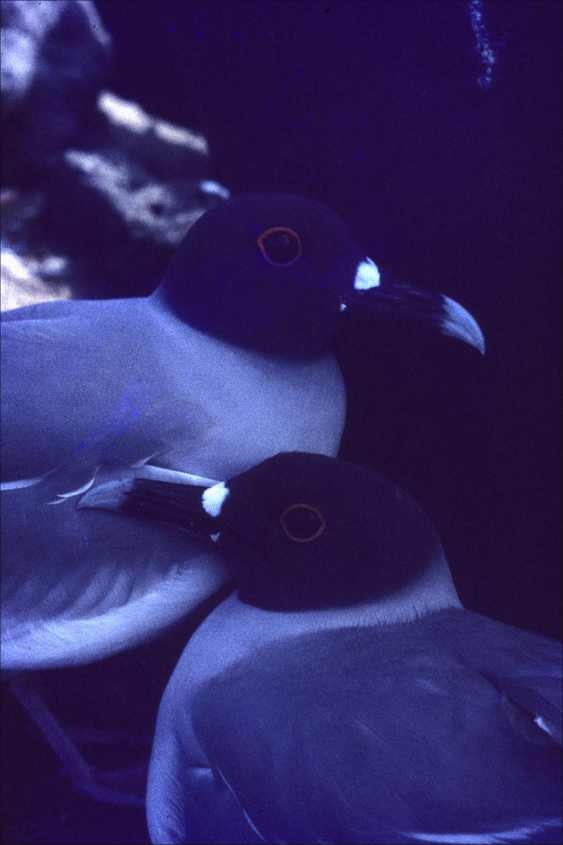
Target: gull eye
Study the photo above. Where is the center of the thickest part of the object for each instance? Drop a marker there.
(302, 523)
(280, 246)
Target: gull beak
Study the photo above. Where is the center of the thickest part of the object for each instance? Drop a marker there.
(190, 502)
(377, 299)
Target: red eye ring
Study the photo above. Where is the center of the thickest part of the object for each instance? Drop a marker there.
(280, 230)
(302, 506)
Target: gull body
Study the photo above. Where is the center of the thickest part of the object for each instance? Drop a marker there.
(343, 694)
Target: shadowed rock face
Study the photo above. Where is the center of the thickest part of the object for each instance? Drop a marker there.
(54, 59)
(131, 220)
(97, 185)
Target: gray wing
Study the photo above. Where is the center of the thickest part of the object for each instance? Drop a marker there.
(73, 379)
(80, 393)
(368, 737)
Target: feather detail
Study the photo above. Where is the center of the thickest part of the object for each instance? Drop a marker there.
(146, 498)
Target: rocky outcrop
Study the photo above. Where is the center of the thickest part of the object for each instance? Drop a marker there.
(55, 58)
(98, 192)
(140, 184)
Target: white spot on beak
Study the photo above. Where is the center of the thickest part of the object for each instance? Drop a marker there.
(367, 275)
(343, 306)
(213, 498)
(215, 537)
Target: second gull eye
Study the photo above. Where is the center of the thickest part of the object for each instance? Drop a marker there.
(280, 246)
(302, 523)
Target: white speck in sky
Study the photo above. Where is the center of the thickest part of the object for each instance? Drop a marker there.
(482, 42)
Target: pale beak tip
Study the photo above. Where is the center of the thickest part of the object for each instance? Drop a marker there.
(457, 322)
